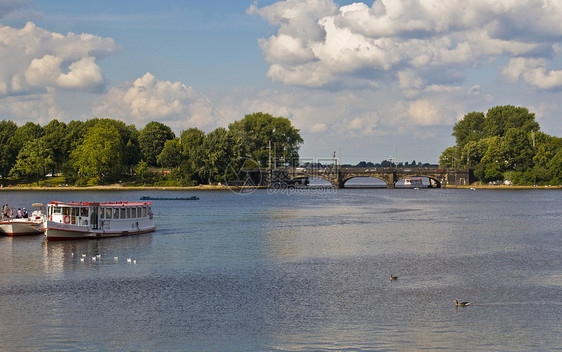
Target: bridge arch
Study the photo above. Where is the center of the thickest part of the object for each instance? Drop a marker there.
(321, 181)
(364, 182)
(433, 181)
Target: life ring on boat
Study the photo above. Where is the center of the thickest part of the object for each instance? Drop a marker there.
(66, 219)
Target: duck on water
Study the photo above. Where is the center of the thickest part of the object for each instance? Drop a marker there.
(461, 304)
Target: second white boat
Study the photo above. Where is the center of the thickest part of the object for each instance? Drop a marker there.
(69, 221)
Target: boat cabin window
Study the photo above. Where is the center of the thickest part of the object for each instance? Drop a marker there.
(123, 216)
(56, 210)
(102, 213)
(108, 213)
(139, 212)
(84, 212)
(65, 211)
(74, 211)
(128, 213)
(133, 212)
(116, 213)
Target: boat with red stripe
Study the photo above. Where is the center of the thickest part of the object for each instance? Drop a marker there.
(22, 224)
(83, 220)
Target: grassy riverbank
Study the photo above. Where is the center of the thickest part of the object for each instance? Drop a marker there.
(504, 187)
(58, 184)
(119, 187)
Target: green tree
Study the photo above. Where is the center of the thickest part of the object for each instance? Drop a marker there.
(473, 152)
(469, 129)
(518, 150)
(54, 137)
(129, 136)
(132, 155)
(494, 161)
(152, 139)
(546, 148)
(449, 158)
(171, 155)
(493, 172)
(99, 154)
(29, 131)
(554, 166)
(217, 154)
(26, 133)
(34, 159)
(143, 173)
(8, 152)
(74, 134)
(505, 142)
(500, 119)
(251, 137)
(192, 152)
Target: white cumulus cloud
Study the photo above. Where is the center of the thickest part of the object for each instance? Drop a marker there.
(337, 44)
(534, 72)
(148, 98)
(34, 59)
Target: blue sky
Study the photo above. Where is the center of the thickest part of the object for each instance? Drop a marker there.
(365, 79)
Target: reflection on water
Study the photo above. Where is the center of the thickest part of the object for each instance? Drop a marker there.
(296, 272)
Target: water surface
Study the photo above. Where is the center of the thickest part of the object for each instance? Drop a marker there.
(302, 270)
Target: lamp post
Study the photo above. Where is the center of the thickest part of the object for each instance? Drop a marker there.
(269, 163)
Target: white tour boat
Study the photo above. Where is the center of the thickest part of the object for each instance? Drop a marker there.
(68, 221)
(31, 225)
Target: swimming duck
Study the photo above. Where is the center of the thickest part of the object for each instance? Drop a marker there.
(461, 304)
(392, 278)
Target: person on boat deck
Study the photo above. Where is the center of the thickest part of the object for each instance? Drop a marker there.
(24, 213)
(19, 214)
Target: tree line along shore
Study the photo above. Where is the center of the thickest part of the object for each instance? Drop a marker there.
(505, 143)
(100, 152)
(24, 188)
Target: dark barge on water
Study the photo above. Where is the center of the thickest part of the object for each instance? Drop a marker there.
(169, 198)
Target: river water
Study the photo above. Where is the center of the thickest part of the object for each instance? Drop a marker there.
(304, 270)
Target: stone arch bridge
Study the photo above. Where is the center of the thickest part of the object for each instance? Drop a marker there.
(338, 176)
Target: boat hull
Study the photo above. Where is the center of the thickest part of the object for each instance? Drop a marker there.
(20, 228)
(56, 232)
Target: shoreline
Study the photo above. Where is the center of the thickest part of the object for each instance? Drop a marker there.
(504, 187)
(234, 188)
(124, 188)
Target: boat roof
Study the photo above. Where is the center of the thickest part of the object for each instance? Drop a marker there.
(102, 204)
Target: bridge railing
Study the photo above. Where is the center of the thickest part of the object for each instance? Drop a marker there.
(401, 169)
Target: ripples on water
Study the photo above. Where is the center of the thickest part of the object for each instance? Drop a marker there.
(296, 272)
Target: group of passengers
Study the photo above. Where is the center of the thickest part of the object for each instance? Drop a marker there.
(8, 213)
